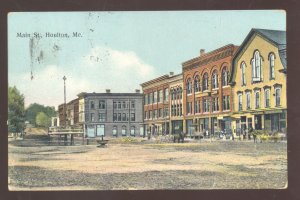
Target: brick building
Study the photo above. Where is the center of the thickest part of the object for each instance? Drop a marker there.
(156, 105)
(207, 95)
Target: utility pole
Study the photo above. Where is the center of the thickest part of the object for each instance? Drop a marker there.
(65, 111)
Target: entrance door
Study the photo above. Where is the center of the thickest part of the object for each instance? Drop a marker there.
(257, 121)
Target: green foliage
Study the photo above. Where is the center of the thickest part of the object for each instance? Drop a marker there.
(42, 120)
(34, 109)
(16, 110)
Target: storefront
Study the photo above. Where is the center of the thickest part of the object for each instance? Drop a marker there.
(177, 126)
(275, 121)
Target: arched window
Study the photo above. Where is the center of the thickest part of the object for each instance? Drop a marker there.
(243, 73)
(225, 75)
(256, 67)
(197, 83)
(177, 93)
(205, 82)
(215, 80)
(257, 104)
(123, 130)
(189, 86)
(267, 98)
(272, 66)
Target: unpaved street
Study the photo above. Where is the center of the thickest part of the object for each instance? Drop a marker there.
(194, 165)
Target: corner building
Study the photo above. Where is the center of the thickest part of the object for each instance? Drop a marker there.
(156, 105)
(207, 95)
(111, 114)
(259, 82)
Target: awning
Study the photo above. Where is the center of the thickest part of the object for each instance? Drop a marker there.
(273, 111)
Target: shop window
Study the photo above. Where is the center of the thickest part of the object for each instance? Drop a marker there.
(124, 130)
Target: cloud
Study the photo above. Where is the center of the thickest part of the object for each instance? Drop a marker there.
(102, 68)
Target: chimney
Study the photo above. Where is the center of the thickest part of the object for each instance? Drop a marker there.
(202, 52)
(107, 90)
(171, 73)
(137, 91)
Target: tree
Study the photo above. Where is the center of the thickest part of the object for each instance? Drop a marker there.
(34, 109)
(42, 120)
(16, 110)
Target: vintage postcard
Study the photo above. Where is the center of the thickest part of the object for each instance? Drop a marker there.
(148, 100)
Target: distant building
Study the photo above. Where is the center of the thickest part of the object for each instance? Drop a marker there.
(259, 82)
(111, 114)
(69, 113)
(163, 102)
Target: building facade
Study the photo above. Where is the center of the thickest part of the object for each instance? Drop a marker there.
(176, 103)
(207, 95)
(69, 113)
(111, 114)
(156, 105)
(259, 82)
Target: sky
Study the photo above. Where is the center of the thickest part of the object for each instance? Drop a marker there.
(116, 50)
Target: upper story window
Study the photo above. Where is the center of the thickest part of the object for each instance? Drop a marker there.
(215, 104)
(178, 93)
(267, 98)
(92, 117)
(101, 104)
(206, 105)
(272, 66)
(146, 99)
(102, 117)
(173, 94)
(92, 105)
(277, 96)
(243, 73)
(215, 83)
(257, 100)
(225, 75)
(160, 96)
(205, 82)
(256, 67)
(197, 106)
(189, 107)
(155, 97)
(166, 94)
(189, 86)
(132, 104)
(150, 98)
(197, 84)
(240, 102)
(226, 102)
(248, 100)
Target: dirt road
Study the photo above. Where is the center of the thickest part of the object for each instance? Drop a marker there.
(205, 165)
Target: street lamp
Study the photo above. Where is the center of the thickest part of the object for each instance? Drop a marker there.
(65, 112)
